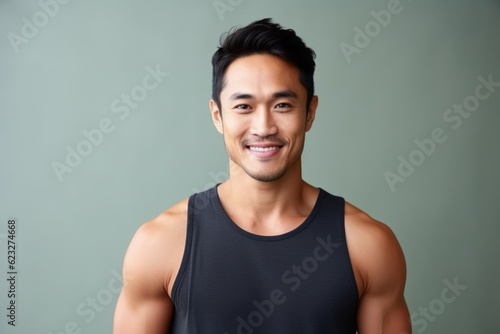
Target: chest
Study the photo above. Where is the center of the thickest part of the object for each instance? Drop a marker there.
(264, 283)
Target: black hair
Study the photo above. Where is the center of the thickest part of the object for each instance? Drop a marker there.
(263, 37)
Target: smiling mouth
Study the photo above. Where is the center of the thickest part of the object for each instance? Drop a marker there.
(263, 149)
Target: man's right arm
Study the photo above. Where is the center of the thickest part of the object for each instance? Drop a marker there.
(144, 306)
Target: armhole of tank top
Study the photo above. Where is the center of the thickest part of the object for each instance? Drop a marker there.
(187, 251)
(346, 251)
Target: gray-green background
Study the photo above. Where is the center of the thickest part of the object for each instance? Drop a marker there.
(73, 230)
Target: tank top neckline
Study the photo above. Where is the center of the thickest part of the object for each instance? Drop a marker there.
(228, 221)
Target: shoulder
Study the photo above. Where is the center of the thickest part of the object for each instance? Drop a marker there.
(166, 224)
(156, 249)
(365, 228)
(375, 252)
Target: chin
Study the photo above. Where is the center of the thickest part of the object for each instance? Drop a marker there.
(267, 177)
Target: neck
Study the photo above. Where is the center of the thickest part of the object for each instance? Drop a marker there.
(267, 207)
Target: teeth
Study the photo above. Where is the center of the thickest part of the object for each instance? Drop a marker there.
(263, 149)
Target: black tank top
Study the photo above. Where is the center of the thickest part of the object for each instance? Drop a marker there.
(234, 282)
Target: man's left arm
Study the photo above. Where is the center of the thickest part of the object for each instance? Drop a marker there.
(382, 306)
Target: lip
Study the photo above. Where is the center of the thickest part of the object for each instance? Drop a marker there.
(276, 148)
(264, 144)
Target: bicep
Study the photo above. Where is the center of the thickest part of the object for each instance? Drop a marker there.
(144, 306)
(149, 315)
(383, 315)
(382, 307)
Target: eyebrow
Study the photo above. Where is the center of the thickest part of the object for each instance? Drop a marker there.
(277, 95)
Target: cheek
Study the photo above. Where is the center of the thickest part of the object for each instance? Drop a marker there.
(297, 136)
(236, 123)
(296, 128)
(233, 130)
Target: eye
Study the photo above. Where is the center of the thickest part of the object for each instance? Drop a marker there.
(242, 107)
(283, 106)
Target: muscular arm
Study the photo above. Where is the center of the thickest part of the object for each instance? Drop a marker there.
(382, 269)
(144, 305)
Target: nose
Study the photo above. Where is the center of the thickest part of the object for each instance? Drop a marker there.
(263, 123)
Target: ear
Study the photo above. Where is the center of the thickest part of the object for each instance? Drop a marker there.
(311, 113)
(216, 116)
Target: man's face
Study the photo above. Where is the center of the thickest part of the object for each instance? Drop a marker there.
(264, 117)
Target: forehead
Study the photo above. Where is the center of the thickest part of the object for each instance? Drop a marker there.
(261, 74)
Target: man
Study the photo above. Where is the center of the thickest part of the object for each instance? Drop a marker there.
(264, 251)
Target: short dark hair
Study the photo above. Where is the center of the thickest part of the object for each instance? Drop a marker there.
(263, 37)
